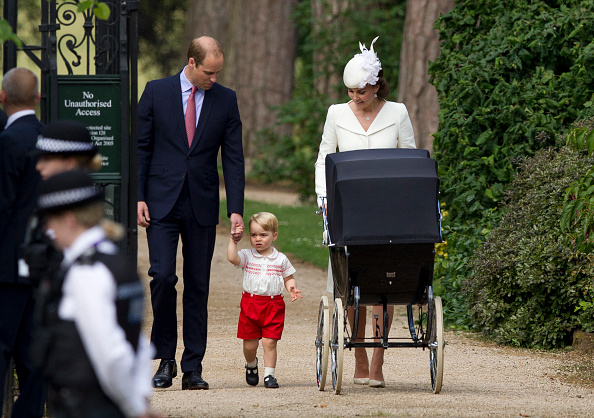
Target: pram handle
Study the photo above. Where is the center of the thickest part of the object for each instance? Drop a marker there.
(327, 239)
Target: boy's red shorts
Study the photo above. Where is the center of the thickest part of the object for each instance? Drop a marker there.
(261, 317)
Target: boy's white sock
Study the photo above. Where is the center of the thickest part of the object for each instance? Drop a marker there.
(269, 371)
(253, 363)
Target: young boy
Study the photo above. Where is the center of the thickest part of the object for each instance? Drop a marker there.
(265, 272)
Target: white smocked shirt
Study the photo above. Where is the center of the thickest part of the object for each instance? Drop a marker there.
(264, 275)
(89, 295)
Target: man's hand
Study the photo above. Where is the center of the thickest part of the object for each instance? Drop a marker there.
(142, 213)
(237, 226)
(238, 230)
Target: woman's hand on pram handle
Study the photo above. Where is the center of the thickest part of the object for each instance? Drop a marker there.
(322, 206)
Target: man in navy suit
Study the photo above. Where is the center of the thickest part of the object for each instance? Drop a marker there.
(18, 183)
(3, 120)
(183, 122)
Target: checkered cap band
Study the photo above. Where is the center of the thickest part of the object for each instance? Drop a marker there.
(67, 197)
(59, 145)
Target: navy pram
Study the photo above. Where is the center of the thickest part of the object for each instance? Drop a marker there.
(381, 225)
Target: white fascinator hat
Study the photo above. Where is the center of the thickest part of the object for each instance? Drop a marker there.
(363, 68)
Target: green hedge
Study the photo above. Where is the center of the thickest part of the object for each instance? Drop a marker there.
(527, 286)
(511, 78)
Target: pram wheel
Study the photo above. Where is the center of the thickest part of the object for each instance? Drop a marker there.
(337, 345)
(436, 343)
(322, 342)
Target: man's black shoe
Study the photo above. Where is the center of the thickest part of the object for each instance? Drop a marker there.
(251, 374)
(165, 373)
(193, 381)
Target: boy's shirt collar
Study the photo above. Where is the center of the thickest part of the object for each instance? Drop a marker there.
(272, 256)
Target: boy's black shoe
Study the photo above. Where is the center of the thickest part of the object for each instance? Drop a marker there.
(251, 375)
(270, 382)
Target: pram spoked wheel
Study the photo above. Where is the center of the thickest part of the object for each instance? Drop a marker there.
(322, 342)
(337, 345)
(436, 344)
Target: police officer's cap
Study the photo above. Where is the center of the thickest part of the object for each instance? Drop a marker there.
(65, 137)
(65, 191)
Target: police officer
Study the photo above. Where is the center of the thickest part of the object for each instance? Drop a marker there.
(63, 145)
(88, 344)
(66, 145)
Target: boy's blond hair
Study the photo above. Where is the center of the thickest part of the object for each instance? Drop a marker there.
(266, 220)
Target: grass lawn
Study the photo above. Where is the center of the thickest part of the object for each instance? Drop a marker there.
(299, 230)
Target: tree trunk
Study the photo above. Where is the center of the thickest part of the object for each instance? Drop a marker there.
(325, 17)
(259, 42)
(420, 44)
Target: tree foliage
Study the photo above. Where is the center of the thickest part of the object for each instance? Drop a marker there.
(292, 157)
(578, 213)
(161, 33)
(507, 71)
(6, 33)
(100, 9)
(528, 287)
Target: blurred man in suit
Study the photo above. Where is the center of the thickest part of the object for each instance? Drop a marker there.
(3, 119)
(183, 122)
(18, 182)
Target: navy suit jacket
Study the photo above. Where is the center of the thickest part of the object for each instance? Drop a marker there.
(165, 159)
(18, 185)
(3, 120)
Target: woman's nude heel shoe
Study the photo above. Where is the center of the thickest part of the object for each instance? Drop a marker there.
(377, 384)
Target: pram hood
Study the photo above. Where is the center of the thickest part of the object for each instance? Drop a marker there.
(382, 196)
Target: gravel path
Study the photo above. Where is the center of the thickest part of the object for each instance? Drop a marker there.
(480, 379)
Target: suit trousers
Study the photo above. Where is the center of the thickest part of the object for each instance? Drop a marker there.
(16, 326)
(197, 251)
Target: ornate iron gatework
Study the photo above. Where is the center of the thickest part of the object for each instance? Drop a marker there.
(98, 35)
(93, 63)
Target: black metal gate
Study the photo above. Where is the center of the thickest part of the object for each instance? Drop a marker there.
(89, 73)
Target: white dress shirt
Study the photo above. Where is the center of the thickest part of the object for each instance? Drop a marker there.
(18, 115)
(89, 295)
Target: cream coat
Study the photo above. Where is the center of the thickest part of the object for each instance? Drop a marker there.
(390, 129)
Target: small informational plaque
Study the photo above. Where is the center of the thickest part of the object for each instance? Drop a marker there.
(95, 101)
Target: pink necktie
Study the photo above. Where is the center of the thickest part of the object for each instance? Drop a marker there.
(191, 116)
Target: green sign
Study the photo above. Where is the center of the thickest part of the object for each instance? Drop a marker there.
(95, 101)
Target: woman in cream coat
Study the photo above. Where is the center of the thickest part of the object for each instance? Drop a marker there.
(366, 121)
